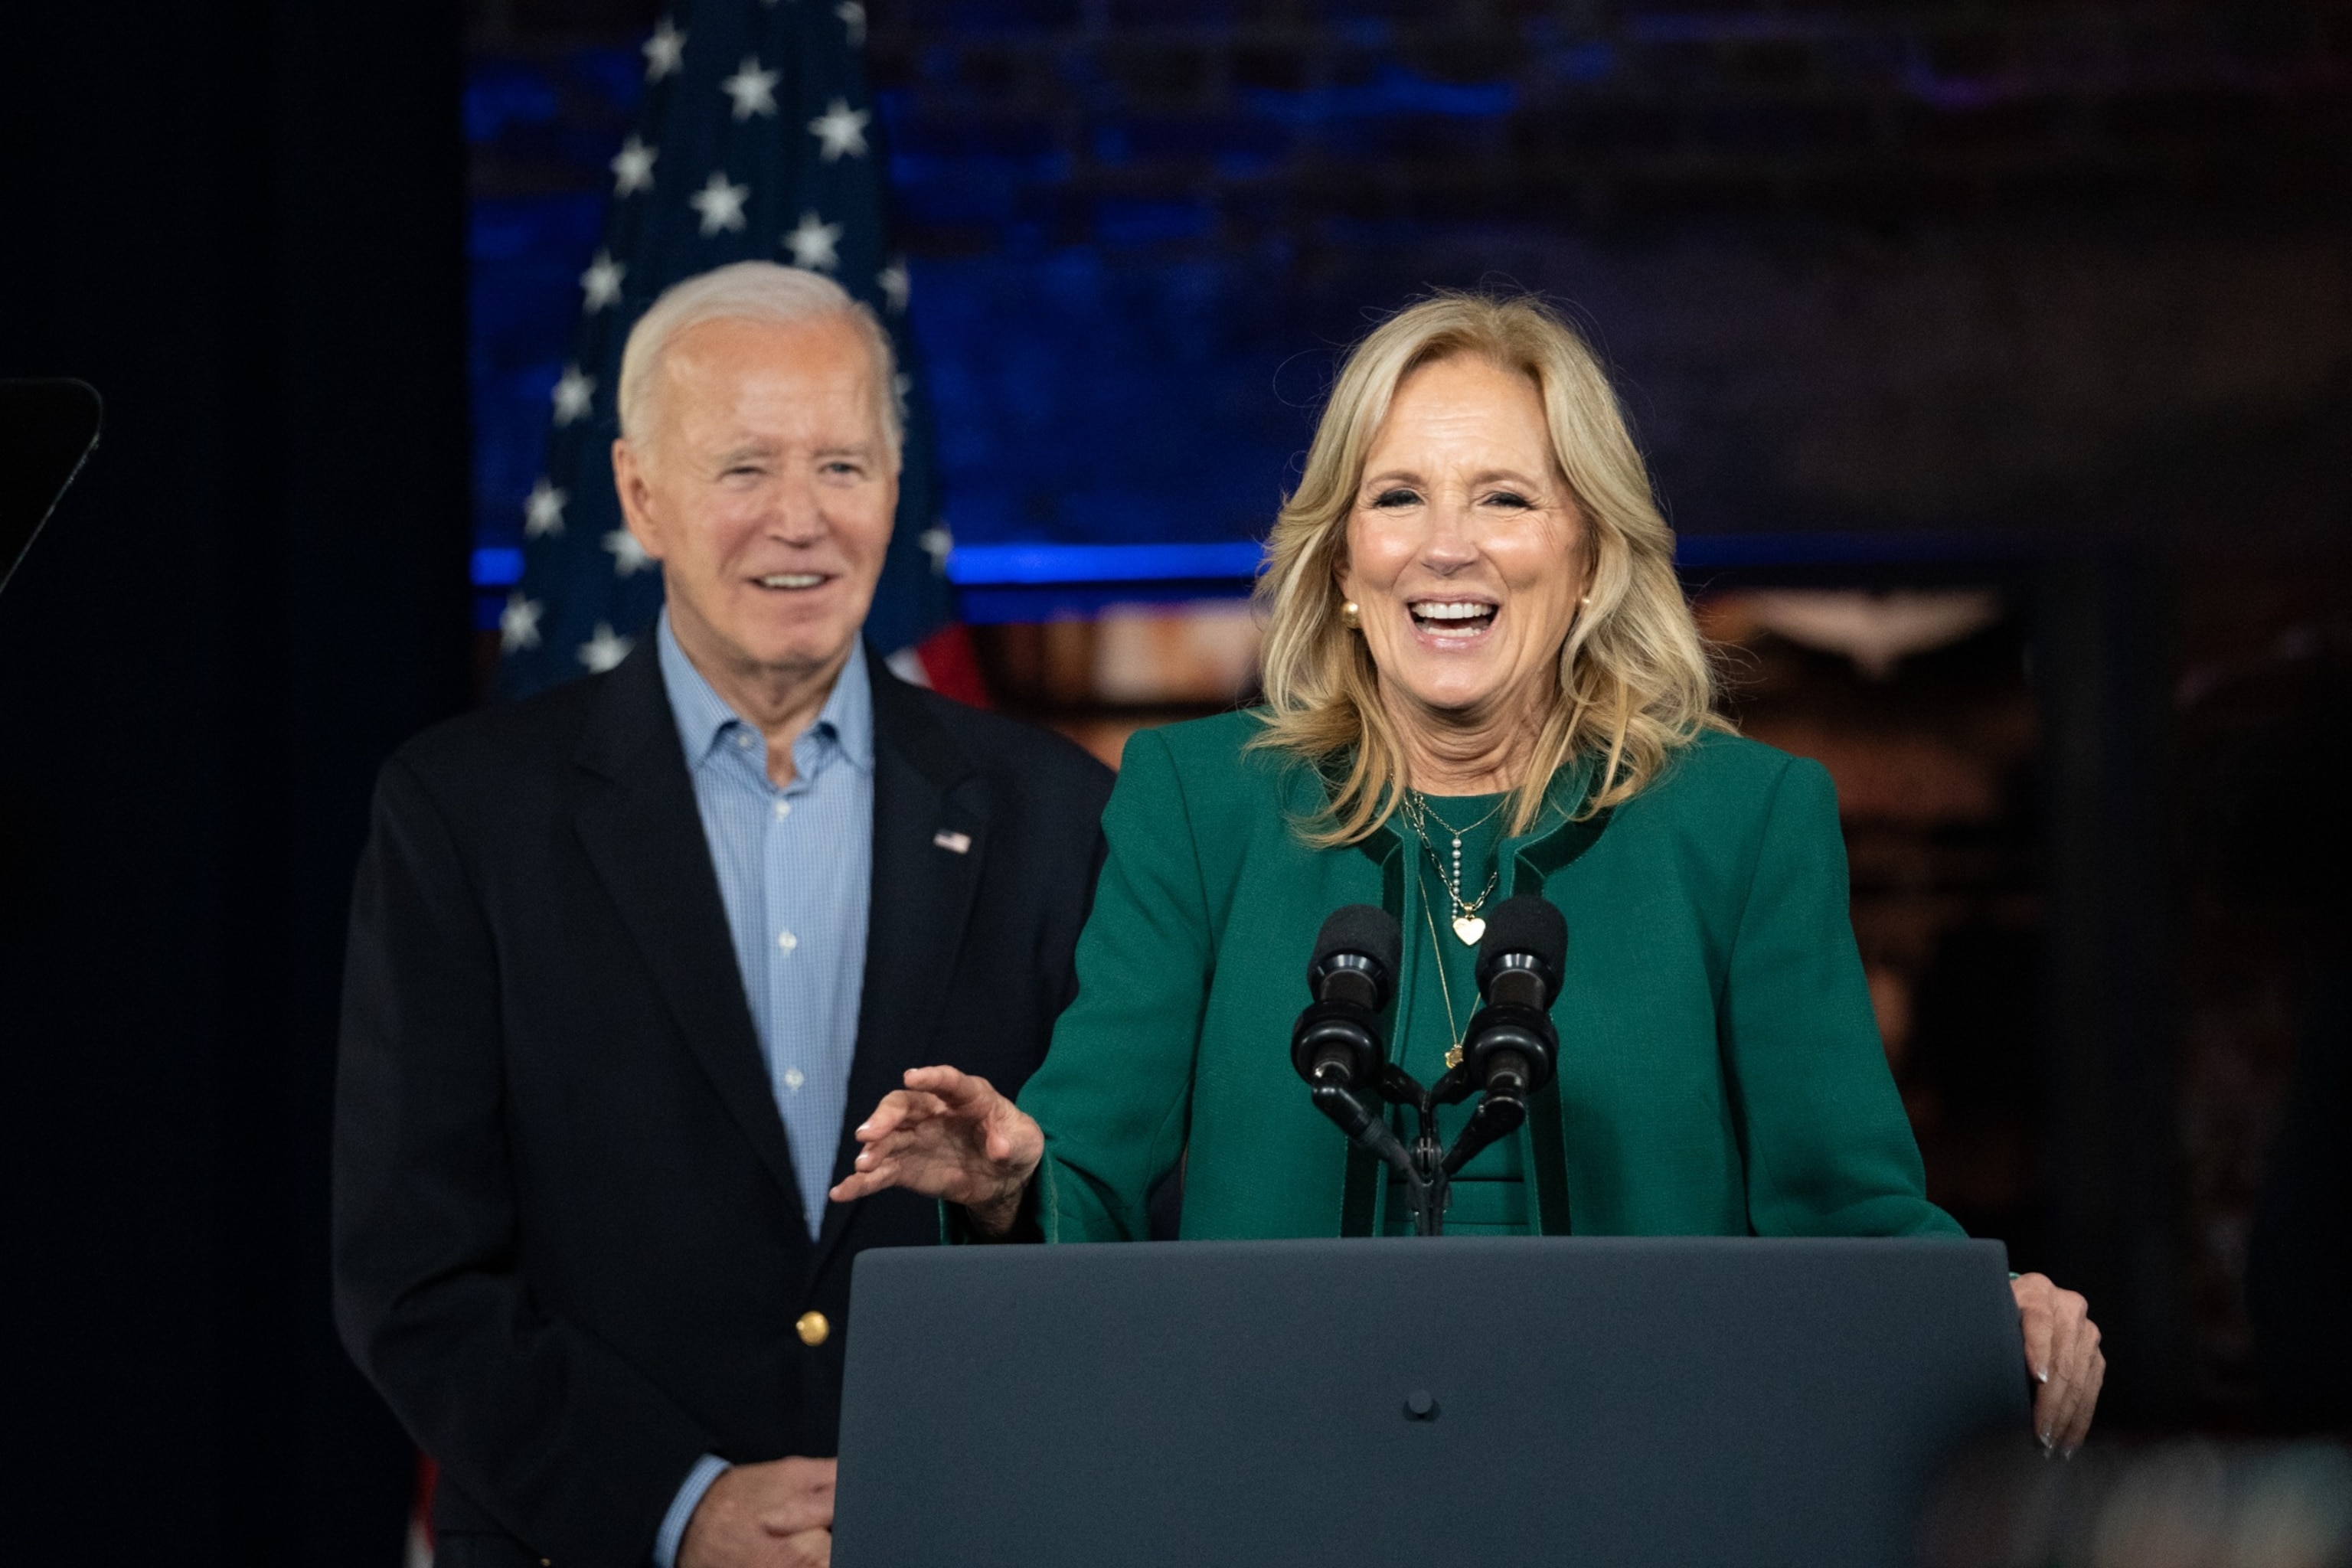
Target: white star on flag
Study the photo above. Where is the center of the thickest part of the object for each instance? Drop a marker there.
(754, 90)
(542, 510)
(600, 284)
(605, 649)
(894, 285)
(720, 204)
(813, 244)
(938, 543)
(840, 129)
(664, 51)
(518, 623)
(629, 557)
(852, 17)
(572, 394)
(633, 167)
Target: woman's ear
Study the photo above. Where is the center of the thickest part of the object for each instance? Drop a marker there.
(1588, 557)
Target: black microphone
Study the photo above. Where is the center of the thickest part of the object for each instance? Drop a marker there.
(1337, 1043)
(1510, 1048)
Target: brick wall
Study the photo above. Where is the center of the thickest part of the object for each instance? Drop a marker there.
(1930, 266)
(1272, 120)
(1937, 265)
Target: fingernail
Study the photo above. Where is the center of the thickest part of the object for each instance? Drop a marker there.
(862, 1127)
(2042, 1374)
(2045, 1442)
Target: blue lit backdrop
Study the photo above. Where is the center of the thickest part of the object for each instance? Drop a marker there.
(1862, 281)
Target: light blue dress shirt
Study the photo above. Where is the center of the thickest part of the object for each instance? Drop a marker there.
(795, 870)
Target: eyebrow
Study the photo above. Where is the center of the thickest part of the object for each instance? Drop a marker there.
(1485, 476)
(765, 449)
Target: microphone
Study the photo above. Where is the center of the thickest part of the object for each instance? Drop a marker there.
(1337, 1048)
(1510, 1049)
(1336, 1042)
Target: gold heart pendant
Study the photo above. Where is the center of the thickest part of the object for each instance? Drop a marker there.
(1469, 928)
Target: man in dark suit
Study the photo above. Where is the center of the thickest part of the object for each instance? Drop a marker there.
(624, 955)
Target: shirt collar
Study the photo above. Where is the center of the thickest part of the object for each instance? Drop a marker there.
(703, 717)
(849, 712)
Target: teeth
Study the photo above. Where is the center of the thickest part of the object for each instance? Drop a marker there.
(792, 580)
(1466, 611)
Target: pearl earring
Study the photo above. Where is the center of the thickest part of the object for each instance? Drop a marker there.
(1350, 616)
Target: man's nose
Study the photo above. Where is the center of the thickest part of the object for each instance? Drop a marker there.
(796, 512)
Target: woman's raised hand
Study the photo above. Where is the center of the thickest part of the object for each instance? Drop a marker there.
(951, 1135)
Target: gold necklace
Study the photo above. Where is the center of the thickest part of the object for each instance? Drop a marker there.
(1423, 802)
(1444, 990)
(1467, 925)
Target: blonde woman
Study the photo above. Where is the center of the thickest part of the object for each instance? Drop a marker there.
(1481, 681)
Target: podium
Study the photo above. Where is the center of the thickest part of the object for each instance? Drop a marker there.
(1464, 1400)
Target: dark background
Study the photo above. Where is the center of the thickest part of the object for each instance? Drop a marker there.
(2058, 297)
(245, 226)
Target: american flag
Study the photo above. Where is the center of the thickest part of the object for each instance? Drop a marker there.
(757, 138)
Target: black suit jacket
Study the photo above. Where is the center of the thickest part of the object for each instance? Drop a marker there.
(568, 1247)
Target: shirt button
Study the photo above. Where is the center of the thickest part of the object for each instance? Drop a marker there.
(783, 809)
(793, 1078)
(787, 941)
(742, 741)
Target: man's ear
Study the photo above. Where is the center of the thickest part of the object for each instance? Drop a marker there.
(629, 484)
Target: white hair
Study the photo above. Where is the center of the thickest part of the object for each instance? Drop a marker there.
(752, 291)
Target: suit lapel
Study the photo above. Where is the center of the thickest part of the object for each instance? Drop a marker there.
(924, 786)
(643, 833)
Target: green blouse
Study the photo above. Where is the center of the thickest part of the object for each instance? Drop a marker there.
(1720, 1072)
(1489, 1194)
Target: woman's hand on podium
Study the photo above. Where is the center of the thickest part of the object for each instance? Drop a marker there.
(2062, 1351)
(948, 1134)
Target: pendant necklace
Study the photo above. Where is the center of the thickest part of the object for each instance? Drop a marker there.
(1445, 990)
(1418, 815)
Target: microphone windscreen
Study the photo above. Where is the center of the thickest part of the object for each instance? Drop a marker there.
(1367, 929)
(1528, 923)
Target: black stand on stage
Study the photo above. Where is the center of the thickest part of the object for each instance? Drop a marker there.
(1496, 1401)
(46, 431)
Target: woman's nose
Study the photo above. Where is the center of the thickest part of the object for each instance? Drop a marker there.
(1448, 543)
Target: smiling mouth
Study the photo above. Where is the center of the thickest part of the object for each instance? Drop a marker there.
(792, 582)
(1453, 619)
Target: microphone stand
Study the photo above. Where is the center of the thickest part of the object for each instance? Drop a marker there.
(1508, 1054)
(1426, 1167)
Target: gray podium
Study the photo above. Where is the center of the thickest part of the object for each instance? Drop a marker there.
(1607, 1401)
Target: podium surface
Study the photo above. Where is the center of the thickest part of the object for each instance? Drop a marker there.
(1493, 1401)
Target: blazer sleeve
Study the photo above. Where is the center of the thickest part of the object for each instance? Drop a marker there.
(1114, 1094)
(1828, 1148)
(565, 1443)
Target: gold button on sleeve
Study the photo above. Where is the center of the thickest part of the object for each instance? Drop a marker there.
(812, 1329)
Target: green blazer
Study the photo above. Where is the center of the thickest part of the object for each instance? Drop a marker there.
(1720, 1071)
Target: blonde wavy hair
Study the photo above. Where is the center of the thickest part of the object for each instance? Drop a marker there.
(1635, 681)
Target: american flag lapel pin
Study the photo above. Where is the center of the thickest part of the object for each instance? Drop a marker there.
(952, 842)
